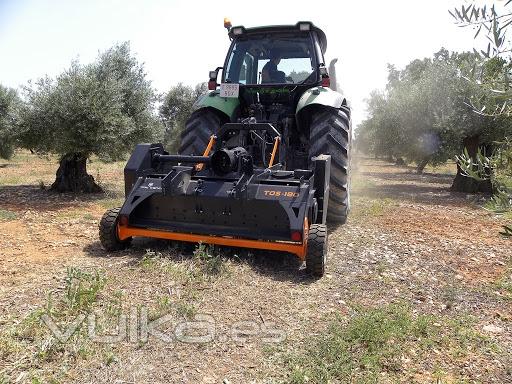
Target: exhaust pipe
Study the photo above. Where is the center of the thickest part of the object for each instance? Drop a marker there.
(332, 75)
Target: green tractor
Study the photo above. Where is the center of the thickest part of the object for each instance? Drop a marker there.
(277, 74)
(264, 161)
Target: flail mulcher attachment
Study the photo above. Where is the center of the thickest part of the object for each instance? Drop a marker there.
(224, 198)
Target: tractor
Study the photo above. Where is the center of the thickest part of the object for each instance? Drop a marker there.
(264, 160)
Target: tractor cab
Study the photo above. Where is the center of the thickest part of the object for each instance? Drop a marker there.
(294, 55)
(274, 64)
(269, 75)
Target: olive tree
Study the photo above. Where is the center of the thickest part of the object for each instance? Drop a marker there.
(9, 108)
(102, 109)
(495, 21)
(176, 108)
(424, 115)
(493, 95)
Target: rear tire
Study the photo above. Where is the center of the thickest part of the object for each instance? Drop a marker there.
(198, 129)
(316, 256)
(108, 232)
(330, 135)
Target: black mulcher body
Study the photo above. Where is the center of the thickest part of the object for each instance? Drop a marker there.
(264, 158)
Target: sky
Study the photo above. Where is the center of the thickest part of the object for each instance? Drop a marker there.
(180, 41)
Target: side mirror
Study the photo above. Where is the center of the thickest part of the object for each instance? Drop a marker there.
(326, 82)
(212, 83)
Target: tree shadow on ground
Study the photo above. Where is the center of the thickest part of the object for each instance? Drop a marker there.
(280, 266)
(419, 194)
(34, 198)
(429, 178)
(428, 188)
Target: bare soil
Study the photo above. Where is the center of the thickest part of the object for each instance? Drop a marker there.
(408, 240)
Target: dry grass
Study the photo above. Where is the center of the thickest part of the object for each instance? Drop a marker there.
(450, 168)
(409, 240)
(382, 345)
(41, 171)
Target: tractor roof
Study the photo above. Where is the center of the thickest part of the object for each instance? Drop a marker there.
(300, 26)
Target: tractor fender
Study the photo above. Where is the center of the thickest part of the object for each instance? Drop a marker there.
(321, 96)
(226, 105)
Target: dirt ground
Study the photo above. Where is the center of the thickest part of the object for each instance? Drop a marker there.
(409, 240)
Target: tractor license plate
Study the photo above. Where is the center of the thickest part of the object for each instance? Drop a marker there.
(229, 90)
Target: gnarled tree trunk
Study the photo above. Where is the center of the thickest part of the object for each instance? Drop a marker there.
(421, 166)
(72, 175)
(467, 184)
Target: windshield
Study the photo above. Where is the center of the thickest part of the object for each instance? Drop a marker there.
(272, 60)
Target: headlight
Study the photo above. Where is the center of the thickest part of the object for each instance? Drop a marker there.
(304, 26)
(237, 30)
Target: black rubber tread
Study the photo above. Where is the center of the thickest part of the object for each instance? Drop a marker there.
(108, 232)
(330, 135)
(198, 129)
(316, 256)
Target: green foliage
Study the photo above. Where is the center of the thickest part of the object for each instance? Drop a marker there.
(375, 345)
(373, 341)
(491, 18)
(176, 108)
(32, 339)
(186, 309)
(494, 98)
(498, 169)
(507, 231)
(6, 215)
(211, 262)
(500, 202)
(502, 164)
(82, 288)
(490, 22)
(423, 115)
(477, 167)
(103, 108)
(9, 119)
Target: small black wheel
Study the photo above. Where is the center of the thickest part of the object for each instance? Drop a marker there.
(316, 256)
(108, 232)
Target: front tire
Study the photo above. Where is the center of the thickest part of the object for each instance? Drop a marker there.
(316, 256)
(330, 135)
(108, 232)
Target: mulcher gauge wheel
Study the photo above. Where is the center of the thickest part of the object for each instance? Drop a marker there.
(108, 232)
(316, 256)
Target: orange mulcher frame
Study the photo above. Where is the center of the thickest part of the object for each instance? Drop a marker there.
(299, 249)
(274, 151)
(124, 231)
(209, 147)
